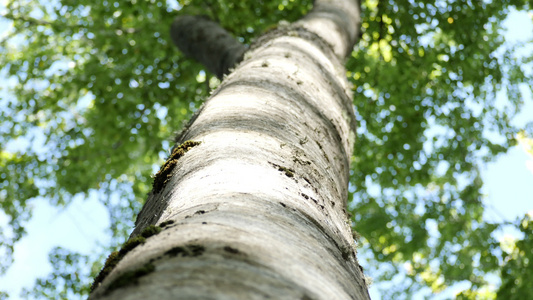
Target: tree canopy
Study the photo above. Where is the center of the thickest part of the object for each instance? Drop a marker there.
(95, 92)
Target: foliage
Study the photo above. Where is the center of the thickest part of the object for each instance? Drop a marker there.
(97, 89)
(69, 279)
(426, 77)
(517, 256)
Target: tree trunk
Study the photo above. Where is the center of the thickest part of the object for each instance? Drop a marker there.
(253, 205)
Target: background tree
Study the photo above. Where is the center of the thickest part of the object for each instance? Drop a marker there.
(425, 77)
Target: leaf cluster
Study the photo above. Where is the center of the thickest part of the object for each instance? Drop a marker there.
(425, 77)
(69, 279)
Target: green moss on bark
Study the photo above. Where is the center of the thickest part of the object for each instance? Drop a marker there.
(165, 173)
(116, 256)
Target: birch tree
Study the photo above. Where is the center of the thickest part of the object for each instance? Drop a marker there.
(252, 200)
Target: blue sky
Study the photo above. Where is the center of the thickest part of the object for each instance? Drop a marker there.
(508, 190)
(508, 181)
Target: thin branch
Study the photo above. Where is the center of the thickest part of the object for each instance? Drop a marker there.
(30, 20)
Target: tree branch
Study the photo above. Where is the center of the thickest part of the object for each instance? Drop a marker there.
(207, 42)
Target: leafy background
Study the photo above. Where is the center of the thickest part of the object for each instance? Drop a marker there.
(94, 92)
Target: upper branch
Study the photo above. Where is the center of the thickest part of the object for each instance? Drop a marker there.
(337, 22)
(207, 42)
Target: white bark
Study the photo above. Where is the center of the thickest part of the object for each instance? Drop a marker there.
(259, 206)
